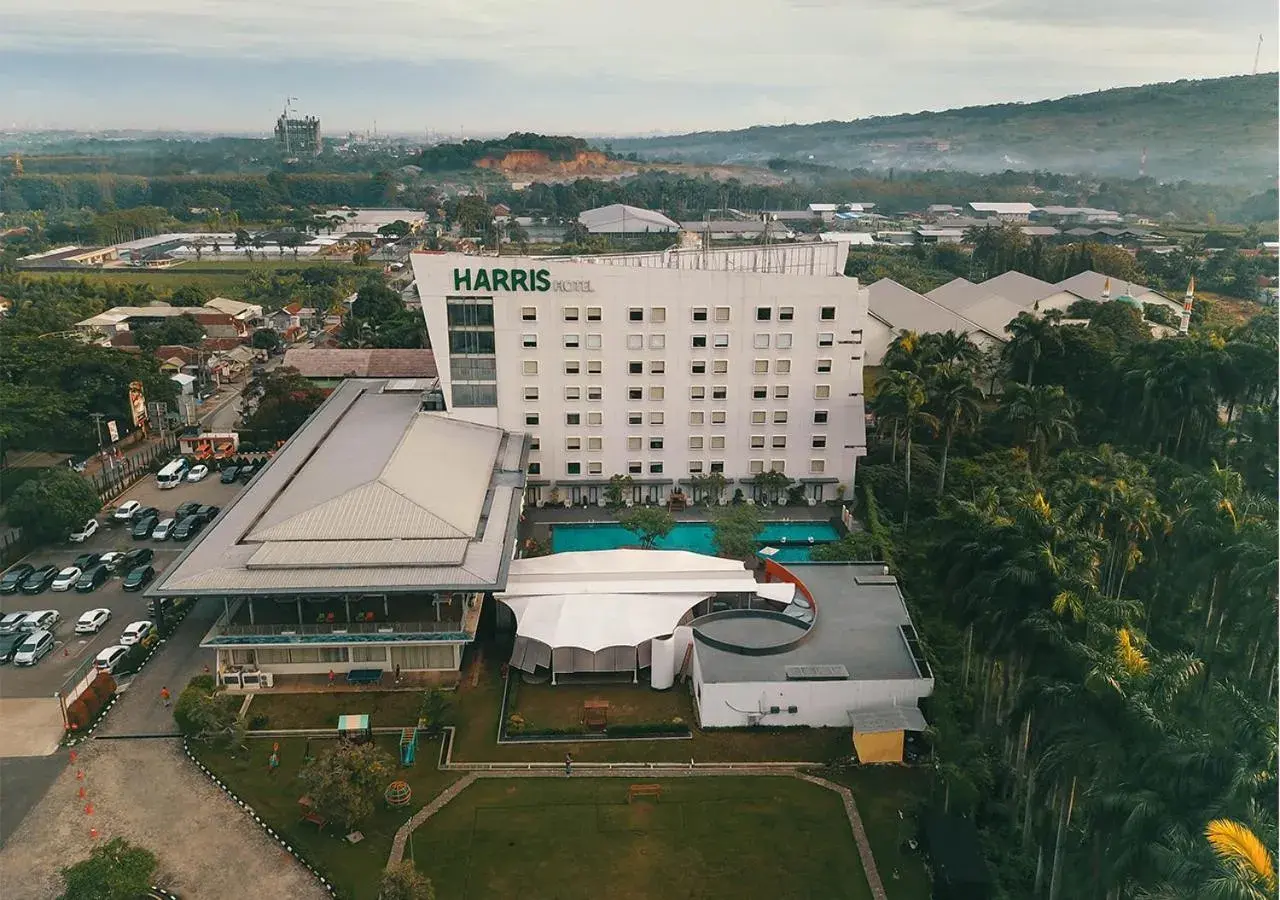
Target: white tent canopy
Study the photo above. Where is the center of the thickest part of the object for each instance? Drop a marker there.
(595, 621)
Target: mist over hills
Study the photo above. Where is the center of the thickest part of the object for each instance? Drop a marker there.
(1218, 130)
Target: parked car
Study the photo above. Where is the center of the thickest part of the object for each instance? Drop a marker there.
(125, 511)
(87, 560)
(186, 509)
(188, 528)
(9, 644)
(92, 579)
(143, 528)
(229, 474)
(41, 620)
(89, 530)
(91, 622)
(12, 622)
(145, 512)
(139, 556)
(111, 559)
(12, 580)
(163, 529)
(247, 472)
(38, 580)
(208, 513)
(109, 658)
(136, 632)
(67, 578)
(198, 473)
(138, 578)
(33, 649)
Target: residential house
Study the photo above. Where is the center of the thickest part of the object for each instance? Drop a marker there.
(246, 314)
(1005, 212)
(287, 321)
(327, 368)
(621, 219)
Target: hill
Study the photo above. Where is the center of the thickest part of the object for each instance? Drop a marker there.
(1219, 130)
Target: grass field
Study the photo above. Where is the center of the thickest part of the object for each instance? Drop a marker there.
(880, 792)
(544, 706)
(221, 278)
(385, 709)
(579, 839)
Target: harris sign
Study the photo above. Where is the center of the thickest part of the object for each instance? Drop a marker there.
(493, 280)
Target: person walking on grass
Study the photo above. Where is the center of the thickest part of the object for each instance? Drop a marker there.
(164, 695)
(568, 764)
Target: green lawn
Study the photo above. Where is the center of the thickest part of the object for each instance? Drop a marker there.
(385, 709)
(221, 278)
(880, 792)
(579, 839)
(544, 706)
(353, 868)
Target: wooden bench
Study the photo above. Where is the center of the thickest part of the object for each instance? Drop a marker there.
(644, 790)
(364, 676)
(309, 814)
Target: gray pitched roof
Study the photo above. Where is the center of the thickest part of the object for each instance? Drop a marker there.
(904, 310)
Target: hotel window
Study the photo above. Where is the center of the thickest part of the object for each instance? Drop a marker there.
(717, 417)
(824, 365)
(528, 314)
(595, 393)
(594, 367)
(781, 392)
(635, 314)
(817, 466)
(658, 315)
(720, 366)
(699, 341)
(786, 313)
(779, 466)
(593, 314)
(594, 342)
(635, 443)
(535, 468)
(595, 418)
(657, 418)
(635, 418)
(764, 313)
(657, 393)
(756, 467)
(635, 367)
(699, 314)
(595, 443)
(698, 367)
(531, 393)
(783, 367)
(759, 417)
(826, 339)
(695, 443)
(635, 342)
(571, 313)
(573, 418)
(856, 335)
(697, 392)
(595, 468)
(821, 391)
(819, 441)
(655, 443)
(779, 442)
(717, 465)
(783, 342)
(530, 367)
(780, 417)
(657, 342)
(635, 468)
(722, 314)
(655, 468)
(717, 442)
(695, 467)
(721, 340)
(572, 367)
(572, 341)
(719, 392)
(573, 393)
(573, 443)
(531, 419)
(573, 468)
(529, 340)
(760, 392)
(535, 444)
(761, 367)
(635, 393)
(820, 417)
(827, 314)
(757, 442)
(697, 418)
(657, 367)
(760, 342)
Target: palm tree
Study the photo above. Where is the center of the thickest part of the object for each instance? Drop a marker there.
(914, 400)
(1041, 417)
(953, 348)
(956, 399)
(1033, 338)
(906, 353)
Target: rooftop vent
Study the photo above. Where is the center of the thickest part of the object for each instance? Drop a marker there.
(875, 579)
(816, 673)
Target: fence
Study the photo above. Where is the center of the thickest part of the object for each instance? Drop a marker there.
(110, 483)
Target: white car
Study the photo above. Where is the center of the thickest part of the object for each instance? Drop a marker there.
(198, 473)
(136, 632)
(89, 530)
(67, 578)
(12, 622)
(37, 644)
(163, 529)
(109, 658)
(111, 559)
(41, 620)
(92, 621)
(124, 512)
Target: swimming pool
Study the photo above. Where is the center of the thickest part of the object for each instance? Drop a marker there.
(791, 538)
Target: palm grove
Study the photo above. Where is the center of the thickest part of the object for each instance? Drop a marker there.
(1086, 526)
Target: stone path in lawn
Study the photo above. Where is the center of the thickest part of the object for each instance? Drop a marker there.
(147, 792)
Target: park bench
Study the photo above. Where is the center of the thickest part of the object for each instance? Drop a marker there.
(644, 790)
(309, 813)
(364, 676)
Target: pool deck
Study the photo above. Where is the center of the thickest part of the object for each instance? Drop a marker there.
(538, 521)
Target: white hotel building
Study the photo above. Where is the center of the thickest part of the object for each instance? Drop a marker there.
(662, 366)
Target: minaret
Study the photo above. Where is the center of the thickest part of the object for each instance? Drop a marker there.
(1184, 325)
(1106, 291)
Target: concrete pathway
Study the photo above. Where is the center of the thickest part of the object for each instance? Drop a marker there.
(147, 792)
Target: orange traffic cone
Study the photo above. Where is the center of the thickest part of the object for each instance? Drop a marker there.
(88, 809)
(93, 833)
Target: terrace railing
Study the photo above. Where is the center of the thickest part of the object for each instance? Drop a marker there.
(339, 628)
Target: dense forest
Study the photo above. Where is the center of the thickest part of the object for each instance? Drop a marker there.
(1085, 524)
(1218, 130)
(460, 157)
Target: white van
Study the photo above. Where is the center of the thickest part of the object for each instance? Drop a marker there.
(172, 474)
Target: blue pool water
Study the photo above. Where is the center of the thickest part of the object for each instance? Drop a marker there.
(791, 538)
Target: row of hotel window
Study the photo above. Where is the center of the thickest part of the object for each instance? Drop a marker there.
(696, 442)
(659, 367)
(657, 315)
(697, 392)
(420, 657)
(696, 467)
(760, 341)
(697, 417)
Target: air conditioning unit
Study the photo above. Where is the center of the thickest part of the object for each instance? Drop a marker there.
(793, 709)
(268, 679)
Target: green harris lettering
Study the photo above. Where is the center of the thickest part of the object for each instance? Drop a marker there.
(481, 281)
(541, 280)
(502, 280)
(462, 279)
(499, 277)
(519, 280)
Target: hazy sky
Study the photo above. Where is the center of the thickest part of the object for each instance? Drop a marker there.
(590, 66)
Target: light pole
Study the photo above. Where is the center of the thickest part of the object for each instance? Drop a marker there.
(97, 423)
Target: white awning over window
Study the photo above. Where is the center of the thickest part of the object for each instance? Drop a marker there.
(595, 621)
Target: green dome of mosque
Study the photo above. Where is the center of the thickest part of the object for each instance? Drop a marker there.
(1125, 298)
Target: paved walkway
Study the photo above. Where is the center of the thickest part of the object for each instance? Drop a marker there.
(147, 792)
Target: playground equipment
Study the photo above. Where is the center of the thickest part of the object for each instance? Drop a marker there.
(408, 746)
(355, 729)
(398, 793)
(595, 714)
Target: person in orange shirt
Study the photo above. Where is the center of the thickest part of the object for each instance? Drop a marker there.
(164, 695)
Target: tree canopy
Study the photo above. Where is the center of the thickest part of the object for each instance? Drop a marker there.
(345, 781)
(648, 523)
(116, 870)
(53, 505)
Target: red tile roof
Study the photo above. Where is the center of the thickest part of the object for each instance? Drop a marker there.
(362, 363)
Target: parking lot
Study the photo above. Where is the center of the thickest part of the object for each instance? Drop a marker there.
(71, 650)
